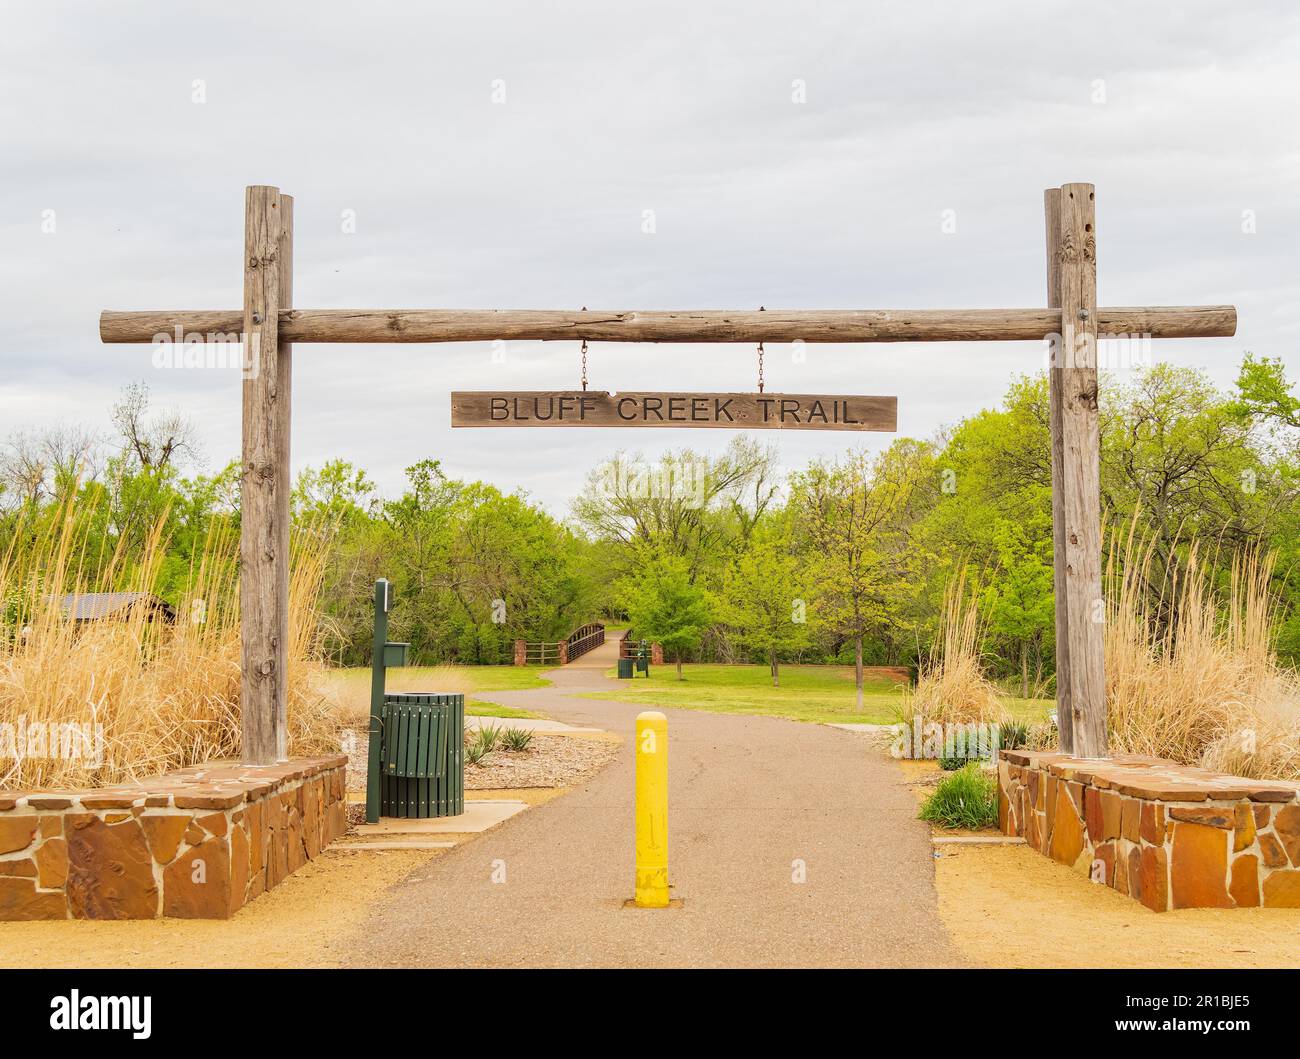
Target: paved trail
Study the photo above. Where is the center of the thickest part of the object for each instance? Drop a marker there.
(749, 796)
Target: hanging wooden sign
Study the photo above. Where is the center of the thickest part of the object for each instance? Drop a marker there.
(738, 411)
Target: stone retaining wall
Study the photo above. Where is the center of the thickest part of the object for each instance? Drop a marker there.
(197, 844)
(1164, 834)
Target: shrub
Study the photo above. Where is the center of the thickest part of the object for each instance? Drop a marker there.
(967, 799)
(1192, 674)
(516, 739)
(951, 686)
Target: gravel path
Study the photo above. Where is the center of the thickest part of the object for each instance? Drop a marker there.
(751, 799)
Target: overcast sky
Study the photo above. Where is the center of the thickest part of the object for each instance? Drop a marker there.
(1183, 115)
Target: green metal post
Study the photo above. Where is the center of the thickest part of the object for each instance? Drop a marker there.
(382, 597)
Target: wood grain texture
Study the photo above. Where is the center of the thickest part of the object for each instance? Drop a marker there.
(736, 411)
(1052, 219)
(1076, 257)
(263, 540)
(772, 325)
(283, 412)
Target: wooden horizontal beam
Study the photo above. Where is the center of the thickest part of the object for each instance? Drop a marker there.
(706, 325)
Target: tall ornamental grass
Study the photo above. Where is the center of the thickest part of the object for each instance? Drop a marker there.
(163, 695)
(951, 687)
(1191, 673)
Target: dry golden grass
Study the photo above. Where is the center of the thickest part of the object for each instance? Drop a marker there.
(1191, 675)
(166, 695)
(951, 687)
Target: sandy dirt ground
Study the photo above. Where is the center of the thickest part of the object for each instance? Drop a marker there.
(1008, 906)
(1057, 918)
(306, 921)
(298, 924)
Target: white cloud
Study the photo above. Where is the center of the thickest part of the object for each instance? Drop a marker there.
(611, 109)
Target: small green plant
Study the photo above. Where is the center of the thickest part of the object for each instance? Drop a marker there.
(952, 764)
(968, 799)
(1012, 735)
(481, 743)
(516, 739)
(489, 735)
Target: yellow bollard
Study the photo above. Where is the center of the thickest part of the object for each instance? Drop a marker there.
(651, 810)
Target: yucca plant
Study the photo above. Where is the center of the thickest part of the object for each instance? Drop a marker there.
(516, 739)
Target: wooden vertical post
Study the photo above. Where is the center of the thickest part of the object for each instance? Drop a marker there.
(1052, 219)
(264, 493)
(284, 407)
(1076, 486)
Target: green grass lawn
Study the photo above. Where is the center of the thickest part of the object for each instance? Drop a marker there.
(821, 694)
(478, 708)
(352, 685)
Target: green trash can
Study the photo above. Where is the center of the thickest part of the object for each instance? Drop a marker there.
(422, 755)
(625, 669)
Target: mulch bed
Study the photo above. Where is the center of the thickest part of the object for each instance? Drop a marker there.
(549, 761)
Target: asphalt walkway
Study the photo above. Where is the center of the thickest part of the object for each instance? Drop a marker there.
(790, 845)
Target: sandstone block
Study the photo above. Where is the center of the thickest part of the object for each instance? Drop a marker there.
(17, 832)
(1244, 887)
(1199, 868)
(1282, 889)
(19, 899)
(110, 870)
(165, 833)
(52, 863)
(196, 885)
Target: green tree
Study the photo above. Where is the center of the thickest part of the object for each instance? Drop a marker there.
(1019, 601)
(763, 597)
(854, 515)
(666, 606)
(696, 507)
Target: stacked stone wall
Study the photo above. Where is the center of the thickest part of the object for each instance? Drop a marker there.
(1164, 834)
(198, 843)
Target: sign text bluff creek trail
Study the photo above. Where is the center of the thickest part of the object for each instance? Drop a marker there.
(740, 411)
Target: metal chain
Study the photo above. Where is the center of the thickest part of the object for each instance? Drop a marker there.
(760, 358)
(584, 358)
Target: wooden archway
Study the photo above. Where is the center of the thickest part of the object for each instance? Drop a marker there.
(1071, 322)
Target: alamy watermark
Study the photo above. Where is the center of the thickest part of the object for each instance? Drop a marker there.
(212, 350)
(684, 480)
(931, 740)
(62, 740)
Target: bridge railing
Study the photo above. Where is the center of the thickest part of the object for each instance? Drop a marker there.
(560, 652)
(629, 644)
(585, 639)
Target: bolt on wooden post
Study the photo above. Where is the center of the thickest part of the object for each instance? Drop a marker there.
(651, 810)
